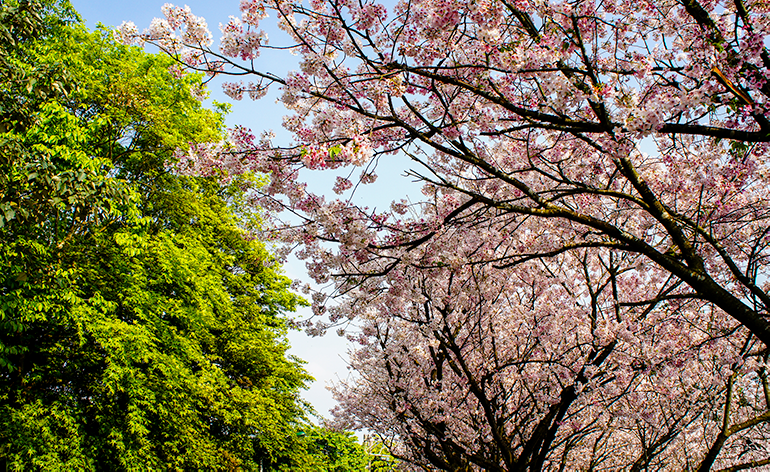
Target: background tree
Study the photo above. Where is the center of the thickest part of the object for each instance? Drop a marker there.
(546, 133)
(328, 449)
(140, 325)
(461, 369)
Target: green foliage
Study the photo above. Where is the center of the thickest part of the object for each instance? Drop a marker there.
(139, 327)
(24, 80)
(339, 451)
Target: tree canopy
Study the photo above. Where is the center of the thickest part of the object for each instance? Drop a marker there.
(141, 326)
(585, 274)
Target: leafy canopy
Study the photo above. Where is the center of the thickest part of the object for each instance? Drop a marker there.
(140, 326)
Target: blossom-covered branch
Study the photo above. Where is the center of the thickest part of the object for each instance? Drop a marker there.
(553, 140)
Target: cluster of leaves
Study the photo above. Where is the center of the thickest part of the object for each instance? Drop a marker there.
(339, 451)
(139, 324)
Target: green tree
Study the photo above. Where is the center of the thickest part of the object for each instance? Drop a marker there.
(140, 327)
(327, 450)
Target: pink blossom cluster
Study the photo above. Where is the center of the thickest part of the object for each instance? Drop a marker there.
(235, 90)
(461, 339)
(127, 33)
(239, 42)
(194, 30)
(194, 27)
(253, 12)
(210, 160)
(342, 184)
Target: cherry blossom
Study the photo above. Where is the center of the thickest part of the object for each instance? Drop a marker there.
(584, 277)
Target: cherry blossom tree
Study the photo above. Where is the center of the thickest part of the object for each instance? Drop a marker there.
(467, 370)
(588, 268)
